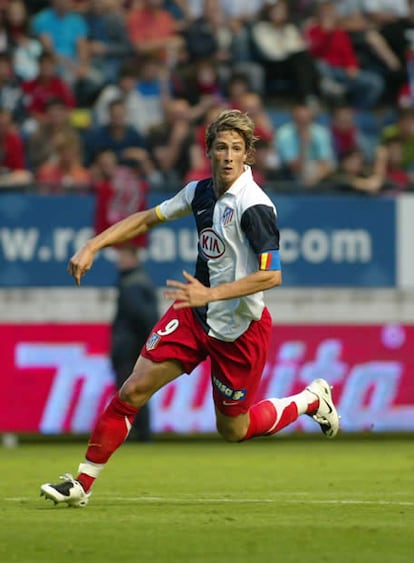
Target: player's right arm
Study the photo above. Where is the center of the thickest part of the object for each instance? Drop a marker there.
(130, 227)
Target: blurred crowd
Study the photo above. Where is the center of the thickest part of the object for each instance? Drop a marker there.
(115, 96)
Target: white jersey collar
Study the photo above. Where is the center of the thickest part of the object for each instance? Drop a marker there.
(241, 181)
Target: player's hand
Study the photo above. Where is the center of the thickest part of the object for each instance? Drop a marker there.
(80, 263)
(190, 294)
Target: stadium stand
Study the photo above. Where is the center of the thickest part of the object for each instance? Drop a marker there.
(88, 54)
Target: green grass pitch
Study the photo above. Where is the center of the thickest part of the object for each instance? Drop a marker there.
(270, 500)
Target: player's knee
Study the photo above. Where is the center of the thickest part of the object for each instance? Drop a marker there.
(135, 391)
(231, 433)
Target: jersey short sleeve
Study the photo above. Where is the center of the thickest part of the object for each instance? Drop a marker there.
(260, 227)
(177, 206)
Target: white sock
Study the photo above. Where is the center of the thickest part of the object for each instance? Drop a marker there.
(91, 469)
(303, 400)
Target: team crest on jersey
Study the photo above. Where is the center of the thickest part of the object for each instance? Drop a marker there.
(211, 244)
(227, 216)
(152, 341)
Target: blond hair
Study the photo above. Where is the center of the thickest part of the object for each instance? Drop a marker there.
(233, 120)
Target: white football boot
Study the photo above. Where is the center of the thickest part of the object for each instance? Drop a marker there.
(326, 416)
(69, 491)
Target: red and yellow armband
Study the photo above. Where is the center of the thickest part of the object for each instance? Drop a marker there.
(269, 260)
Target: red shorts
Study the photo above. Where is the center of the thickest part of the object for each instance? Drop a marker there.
(236, 367)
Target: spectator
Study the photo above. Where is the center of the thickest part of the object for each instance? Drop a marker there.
(390, 17)
(179, 11)
(44, 87)
(305, 149)
(240, 16)
(406, 94)
(154, 88)
(344, 130)
(135, 315)
(201, 35)
(280, 47)
(354, 175)
(120, 190)
(237, 85)
(152, 29)
(117, 135)
(199, 84)
(66, 173)
(200, 166)
(403, 129)
(125, 90)
(364, 34)
(80, 6)
(43, 141)
(409, 27)
(208, 36)
(107, 38)
(13, 171)
(371, 46)
(25, 50)
(398, 178)
(16, 19)
(11, 94)
(346, 134)
(144, 96)
(195, 8)
(332, 48)
(4, 36)
(266, 165)
(64, 33)
(252, 104)
(170, 142)
(394, 19)
(302, 9)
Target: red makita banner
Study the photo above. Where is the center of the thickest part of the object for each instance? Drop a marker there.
(57, 378)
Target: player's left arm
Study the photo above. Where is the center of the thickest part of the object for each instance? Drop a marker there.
(260, 228)
(194, 294)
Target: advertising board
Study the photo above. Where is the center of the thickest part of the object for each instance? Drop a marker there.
(57, 378)
(331, 241)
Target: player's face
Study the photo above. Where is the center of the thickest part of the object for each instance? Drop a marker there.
(228, 155)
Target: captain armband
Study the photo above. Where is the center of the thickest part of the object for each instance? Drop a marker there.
(270, 260)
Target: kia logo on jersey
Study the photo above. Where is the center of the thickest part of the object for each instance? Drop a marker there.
(211, 244)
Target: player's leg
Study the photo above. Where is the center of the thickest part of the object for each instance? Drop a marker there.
(141, 427)
(272, 415)
(112, 429)
(172, 348)
(114, 424)
(237, 369)
(264, 418)
(232, 428)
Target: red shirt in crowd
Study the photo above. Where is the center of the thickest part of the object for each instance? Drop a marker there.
(118, 197)
(12, 152)
(344, 140)
(399, 177)
(333, 47)
(144, 25)
(38, 93)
